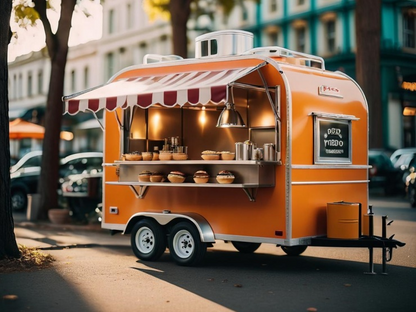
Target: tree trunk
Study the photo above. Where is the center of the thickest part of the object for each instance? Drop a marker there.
(368, 33)
(57, 45)
(180, 11)
(8, 245)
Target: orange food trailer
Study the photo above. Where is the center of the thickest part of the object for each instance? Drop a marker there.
(241, 144)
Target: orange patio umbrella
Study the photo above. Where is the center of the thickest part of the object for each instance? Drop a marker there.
(22, 129)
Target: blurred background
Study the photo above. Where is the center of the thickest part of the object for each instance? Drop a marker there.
(110, 35)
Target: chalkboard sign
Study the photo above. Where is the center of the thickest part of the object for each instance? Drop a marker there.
(332, 141)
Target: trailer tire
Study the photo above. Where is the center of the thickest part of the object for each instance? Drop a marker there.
(148, 240)
(294, 250)
(185, 245)
(245, 247)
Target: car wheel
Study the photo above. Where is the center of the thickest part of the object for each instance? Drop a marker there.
(185, 245)
(294, 250)
(148, 240)
(19, 200)
(244, 247)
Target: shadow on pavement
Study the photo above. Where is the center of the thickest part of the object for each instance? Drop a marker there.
(44, 290)
(264, 282)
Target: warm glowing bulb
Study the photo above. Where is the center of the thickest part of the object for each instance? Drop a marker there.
(202, 117)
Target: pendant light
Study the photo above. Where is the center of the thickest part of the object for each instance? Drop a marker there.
(230, 117)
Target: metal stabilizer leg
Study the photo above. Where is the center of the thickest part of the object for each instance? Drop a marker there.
(371, 234)
(371, 262)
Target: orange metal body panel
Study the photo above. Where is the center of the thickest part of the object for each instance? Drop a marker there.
(295, 206)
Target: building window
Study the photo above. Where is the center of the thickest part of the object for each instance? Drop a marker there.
(40, 81)
(73, 81)
(86, 77)
(29, 84)
(300, 2)
(110, 64)
(244, 14)
(14, 93)
(273, 6)
(409, 29)
(111, 21)
(330, 36)
(129, 16)
(20, 87)
(142, 51)
(273, 38)
(300, 34)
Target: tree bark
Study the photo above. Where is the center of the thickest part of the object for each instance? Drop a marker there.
(180, 11)
(8, 245)
(368, 33)
(57, 45)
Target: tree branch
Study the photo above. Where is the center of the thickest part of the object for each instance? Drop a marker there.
(40, 7)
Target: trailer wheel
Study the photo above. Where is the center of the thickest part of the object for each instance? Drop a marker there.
(294, 250)
(185, 245)
(245, 247)
(148, 240)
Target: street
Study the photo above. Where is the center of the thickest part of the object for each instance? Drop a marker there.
(100, 273)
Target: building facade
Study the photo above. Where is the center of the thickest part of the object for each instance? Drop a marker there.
(320, 27)
(327, 28)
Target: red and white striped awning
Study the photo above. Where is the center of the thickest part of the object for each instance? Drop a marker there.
(195, 87)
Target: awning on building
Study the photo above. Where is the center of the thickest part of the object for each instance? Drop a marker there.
(21, 129)
(194, 87)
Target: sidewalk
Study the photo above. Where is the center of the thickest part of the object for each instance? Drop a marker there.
(30, 233)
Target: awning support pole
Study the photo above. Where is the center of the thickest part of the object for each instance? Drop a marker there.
(98, 120)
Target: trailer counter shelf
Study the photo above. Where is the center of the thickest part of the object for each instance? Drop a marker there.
(249, 174)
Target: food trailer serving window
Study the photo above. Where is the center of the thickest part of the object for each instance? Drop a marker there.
(332, 138)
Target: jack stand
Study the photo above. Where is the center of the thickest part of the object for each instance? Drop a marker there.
(384, 250)
(371, 234)
(371, 262)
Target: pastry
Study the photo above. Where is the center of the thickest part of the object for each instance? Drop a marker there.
(156, 177)
(133, 156)
(201, 176)
(163, 155)
(226, 155)
(144, 176)
(209, 152)
(147, 156)
(176, 177)
(225, 177)
(180, 156)
(210, 155)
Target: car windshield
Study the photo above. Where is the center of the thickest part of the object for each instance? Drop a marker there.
(404, 160)
(80, 165)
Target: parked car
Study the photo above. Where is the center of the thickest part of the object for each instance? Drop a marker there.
(397, 154)
(25, 174)
(83, 193)
(383, 174)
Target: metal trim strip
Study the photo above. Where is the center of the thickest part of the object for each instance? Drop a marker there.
(329, 182)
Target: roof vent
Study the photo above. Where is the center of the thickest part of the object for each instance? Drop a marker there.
(157, 58)
(223, 43)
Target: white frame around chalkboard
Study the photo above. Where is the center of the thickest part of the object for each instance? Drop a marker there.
(319, 158)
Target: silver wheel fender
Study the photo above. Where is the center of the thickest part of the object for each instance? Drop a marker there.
(205, 231)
